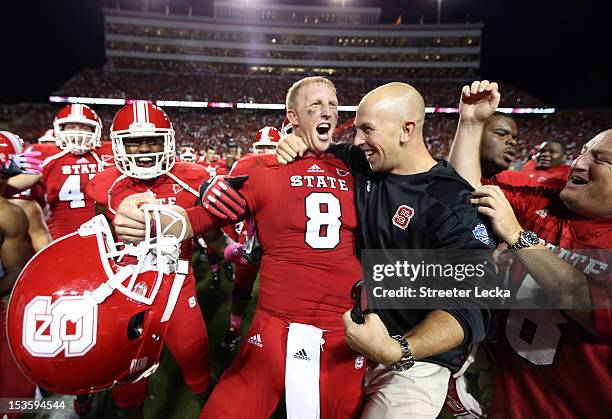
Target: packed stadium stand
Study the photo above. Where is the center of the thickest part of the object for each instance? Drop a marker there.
(252, 53)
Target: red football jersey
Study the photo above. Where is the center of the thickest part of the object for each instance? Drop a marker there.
(65, 177)
(306, 217)
(46, 149)
(215, 168)
(547, 365)
(554, 177)
(166, 188)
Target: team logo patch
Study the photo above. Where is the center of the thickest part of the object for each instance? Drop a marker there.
(315, 169)
(481, 233)
(176, 188)
(301, 354)
(402, 216)
(82, 160)
(255, 340)
(192, 302)
(342, 172)
(359, 362)
(542, 213)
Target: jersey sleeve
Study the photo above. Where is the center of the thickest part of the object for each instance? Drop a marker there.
(97, 189)
(601, 296)
(202, 221)
(524, 198)
(249, 166)
(352, 156)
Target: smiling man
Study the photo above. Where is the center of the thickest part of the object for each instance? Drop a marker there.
(306, 220)
(554, 361)
(412, 351)
(144, 150)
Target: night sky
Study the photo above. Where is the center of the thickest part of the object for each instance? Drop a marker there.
(557, 50)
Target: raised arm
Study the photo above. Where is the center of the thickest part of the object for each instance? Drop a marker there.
(478, 102)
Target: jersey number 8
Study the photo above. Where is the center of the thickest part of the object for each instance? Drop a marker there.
(323, 226)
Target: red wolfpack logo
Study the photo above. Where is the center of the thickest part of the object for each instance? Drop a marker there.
(402, 216)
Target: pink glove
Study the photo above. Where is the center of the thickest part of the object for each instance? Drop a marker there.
(24, 163)
(233, 253)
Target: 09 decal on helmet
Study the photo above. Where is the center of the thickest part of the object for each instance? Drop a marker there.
(78, 319)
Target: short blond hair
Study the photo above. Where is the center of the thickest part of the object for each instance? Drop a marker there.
(294, 90)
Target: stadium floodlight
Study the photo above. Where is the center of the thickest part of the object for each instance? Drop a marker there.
(439, 10)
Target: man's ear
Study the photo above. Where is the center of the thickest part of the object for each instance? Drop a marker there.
(293, 118)
(407, 131)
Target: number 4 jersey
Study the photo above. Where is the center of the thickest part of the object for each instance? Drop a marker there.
(547, 365)
(305, 215)
(65, 177)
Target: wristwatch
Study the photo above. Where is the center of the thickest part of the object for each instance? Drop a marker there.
(526, 239)
(406, 361)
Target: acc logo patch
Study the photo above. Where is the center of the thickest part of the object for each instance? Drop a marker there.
(402, 216)
(481, 233)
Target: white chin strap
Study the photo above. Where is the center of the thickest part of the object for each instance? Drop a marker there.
(158, 252)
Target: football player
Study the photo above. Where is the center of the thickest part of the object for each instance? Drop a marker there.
(15, 251)
(145, 158)
(210, 162)
(246, 274)
(66, 173)
(187, 154)
(306, 218)
(11, 144)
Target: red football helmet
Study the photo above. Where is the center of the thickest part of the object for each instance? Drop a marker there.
(48, 137)
(187, 154)
(143, 119)
(266, 140)
(287, 128)
(78, 141)
(99, 317)
(10, 144)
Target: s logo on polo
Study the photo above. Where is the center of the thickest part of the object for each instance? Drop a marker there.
(402, 216)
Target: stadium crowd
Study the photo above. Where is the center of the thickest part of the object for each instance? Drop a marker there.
(215, 127)
(252, 88)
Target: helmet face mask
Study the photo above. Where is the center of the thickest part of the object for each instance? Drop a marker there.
(187, 154)
(110, 296)
(139, 120)
(77, 141)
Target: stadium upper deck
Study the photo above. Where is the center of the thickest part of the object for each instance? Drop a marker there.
(290, 40)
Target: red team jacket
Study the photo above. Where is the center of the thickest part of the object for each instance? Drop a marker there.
(547, 365)
(65, 179)
(165, 188)
(306, 217)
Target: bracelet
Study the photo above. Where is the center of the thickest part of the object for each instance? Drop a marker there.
(407, 360)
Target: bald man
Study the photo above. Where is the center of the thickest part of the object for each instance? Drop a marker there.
(408, 200)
